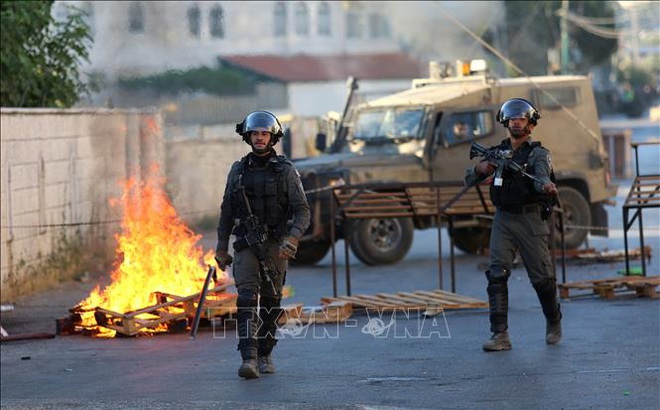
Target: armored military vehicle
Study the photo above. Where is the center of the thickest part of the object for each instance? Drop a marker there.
(424, 134)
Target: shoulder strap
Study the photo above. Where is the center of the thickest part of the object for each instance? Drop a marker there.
(536, 144)
(240, 167)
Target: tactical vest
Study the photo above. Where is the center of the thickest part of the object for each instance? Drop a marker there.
(516, 189)
(267, 193)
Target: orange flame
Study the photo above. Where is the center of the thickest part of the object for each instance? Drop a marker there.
(156, 252)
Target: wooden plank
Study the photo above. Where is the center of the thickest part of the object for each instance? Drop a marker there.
(606, 288)
(334, 312)
(417, 300)
(457, 303)
(625, 279)
(150, 317)
(376, 300)
(290, 312)
(405, 302)
(453, 296)
(427, 301)
(358, 302)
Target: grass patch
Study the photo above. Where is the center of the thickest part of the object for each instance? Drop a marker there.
(73, 258)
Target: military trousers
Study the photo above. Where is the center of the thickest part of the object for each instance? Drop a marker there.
(246, 271)
(258, 300)
(526, 233)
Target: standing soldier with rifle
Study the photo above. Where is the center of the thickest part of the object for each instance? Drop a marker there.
(521, 192)
(265, 207)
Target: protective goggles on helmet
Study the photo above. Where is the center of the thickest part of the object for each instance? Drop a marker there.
(518, 108)
(261, 120)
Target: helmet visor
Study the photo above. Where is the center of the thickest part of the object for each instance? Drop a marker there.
(516, 109)
(262, 121)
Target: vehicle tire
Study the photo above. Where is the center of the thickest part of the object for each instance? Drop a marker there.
(473, 240)
(577, 213)
(381, 241)
(310, 253)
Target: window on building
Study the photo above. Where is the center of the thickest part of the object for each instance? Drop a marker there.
(379, 27)
(302, 19)
(324, 19)
(279, 17)
(354, 25)
(194, 21)
(217, 22)
(135, 18)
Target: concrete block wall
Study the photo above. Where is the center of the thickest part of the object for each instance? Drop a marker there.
(197, 168)
(58, 170)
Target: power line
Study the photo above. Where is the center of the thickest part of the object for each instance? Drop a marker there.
(493, 50)
(584, 24)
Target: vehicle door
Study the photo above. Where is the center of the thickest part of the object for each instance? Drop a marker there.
(453, 132)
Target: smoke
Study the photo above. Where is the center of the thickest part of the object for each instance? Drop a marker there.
(425, 29)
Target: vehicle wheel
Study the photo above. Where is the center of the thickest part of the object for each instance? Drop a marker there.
(472, 240)
(310, 253)
(379, 241)
(577, 213)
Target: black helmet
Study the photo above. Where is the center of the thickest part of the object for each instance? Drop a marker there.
(517, 108)
(260, 120)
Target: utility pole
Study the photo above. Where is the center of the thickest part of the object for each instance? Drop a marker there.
(634, 31)
(563, 24)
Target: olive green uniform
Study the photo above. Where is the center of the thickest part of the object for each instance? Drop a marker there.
(518, 226)
(275, 193)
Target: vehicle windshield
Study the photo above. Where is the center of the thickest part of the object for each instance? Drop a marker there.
(388, 124)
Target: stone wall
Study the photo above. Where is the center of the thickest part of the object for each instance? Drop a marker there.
(196, 170)
(59, 168)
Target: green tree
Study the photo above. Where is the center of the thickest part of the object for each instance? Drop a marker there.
(220, 81)
(39, 57)
(533, 27)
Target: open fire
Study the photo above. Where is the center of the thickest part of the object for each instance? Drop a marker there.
(157, 258)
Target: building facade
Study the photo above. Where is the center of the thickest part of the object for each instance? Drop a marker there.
(142, 38)
(134, 38)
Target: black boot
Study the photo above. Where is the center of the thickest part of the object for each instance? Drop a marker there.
(246, 322)
(266, 364)
(547, 294)
(249, 369)
(499, 341)
(269, 314)
(498, 300)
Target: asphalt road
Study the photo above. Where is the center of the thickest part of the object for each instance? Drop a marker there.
(609, 357)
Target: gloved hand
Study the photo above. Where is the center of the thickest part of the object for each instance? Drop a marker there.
(550, 189)
(288, 248)
(485, 168)
(223, 259)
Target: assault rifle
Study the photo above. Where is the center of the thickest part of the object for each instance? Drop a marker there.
(256, 239)
(503, 159)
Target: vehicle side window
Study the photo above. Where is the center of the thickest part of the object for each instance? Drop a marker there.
(557, 97)
(467, 126)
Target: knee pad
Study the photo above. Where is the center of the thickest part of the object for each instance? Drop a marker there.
(246, 299)
(498, 274)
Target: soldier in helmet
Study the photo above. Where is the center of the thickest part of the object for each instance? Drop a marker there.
(271, 186)
(519, 224)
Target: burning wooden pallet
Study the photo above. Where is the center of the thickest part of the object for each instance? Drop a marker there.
(172, 312)
(643, 286)
(434, 300)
